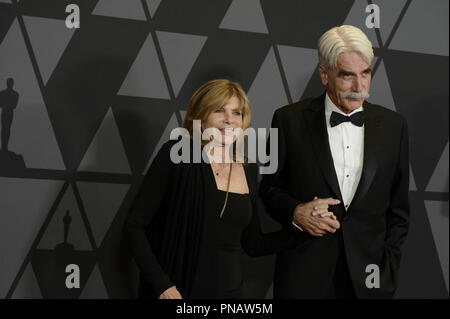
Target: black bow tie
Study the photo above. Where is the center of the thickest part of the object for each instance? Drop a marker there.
(338, 118)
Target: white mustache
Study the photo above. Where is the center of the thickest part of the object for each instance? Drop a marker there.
(355, 95)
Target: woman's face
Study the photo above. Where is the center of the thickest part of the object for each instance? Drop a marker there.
(226, 120)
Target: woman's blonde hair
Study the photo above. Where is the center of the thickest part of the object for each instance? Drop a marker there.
(210, 97)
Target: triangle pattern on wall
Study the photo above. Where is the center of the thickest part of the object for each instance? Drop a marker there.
(130, 9)
(106, 152)
(245, 16)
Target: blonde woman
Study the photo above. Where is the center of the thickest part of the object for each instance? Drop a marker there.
(190, 222)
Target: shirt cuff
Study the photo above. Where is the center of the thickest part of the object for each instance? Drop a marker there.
(301, 229)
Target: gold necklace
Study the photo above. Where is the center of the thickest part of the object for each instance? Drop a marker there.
(228, 188)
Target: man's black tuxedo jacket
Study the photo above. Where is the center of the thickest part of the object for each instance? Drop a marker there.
(375, 225)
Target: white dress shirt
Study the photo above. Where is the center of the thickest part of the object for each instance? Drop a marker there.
(346, 142)
(347, 148)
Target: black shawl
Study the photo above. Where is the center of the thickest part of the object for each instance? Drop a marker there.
(164, 224)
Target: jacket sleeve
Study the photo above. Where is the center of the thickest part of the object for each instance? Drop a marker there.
(273, 190)
(144, 208)
(397, 218)
(254, 242)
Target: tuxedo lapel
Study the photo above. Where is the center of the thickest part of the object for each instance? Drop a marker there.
(371, 147)
(315, 119)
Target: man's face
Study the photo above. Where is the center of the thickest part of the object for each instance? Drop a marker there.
(352, 74)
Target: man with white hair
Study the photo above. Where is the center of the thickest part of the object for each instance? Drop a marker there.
(342, 180)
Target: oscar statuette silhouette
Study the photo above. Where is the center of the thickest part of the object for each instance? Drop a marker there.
(50, 265)
(9, 161)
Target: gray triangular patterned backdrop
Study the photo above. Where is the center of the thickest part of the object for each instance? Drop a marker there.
(96, 103)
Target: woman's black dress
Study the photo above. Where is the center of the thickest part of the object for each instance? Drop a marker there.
(221, 275)
(217, 267)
